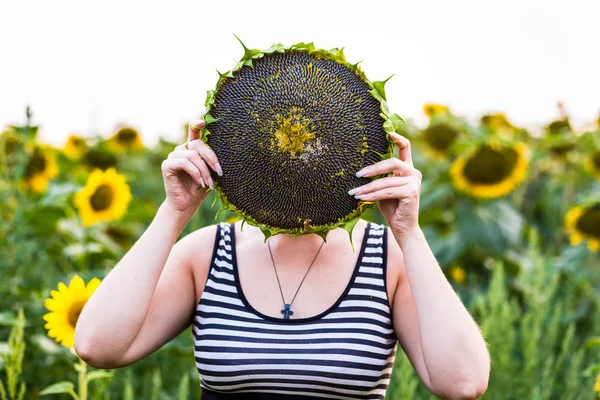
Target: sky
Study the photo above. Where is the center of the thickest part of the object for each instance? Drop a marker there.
(87, 67)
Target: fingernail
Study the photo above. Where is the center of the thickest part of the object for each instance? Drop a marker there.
(359, 196)
(362, 172)
(219, 170)
(202, 183)
(352, 191)
(211, 185)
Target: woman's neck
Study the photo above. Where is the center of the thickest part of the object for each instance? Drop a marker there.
(289, 243)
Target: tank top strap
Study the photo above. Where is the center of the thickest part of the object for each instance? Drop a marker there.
(221, 266)
(370, 284)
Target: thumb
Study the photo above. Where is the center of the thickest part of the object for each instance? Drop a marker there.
(194, 129)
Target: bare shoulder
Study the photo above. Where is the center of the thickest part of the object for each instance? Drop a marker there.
(395, 265)
(196, 250)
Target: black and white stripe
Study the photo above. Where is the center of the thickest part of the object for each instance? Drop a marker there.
(346, 352)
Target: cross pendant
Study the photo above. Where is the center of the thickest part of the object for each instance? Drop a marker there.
(286, 311)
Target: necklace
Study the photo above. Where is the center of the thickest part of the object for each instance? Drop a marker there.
(286, 306)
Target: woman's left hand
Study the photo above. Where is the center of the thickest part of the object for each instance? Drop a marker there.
(397, 196)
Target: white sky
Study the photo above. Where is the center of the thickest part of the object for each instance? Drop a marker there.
(84, 67)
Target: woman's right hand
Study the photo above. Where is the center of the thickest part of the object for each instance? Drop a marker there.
(186, 172)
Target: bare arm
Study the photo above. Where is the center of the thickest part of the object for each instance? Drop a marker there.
(114, 315)
(437, 332)
(147, 299)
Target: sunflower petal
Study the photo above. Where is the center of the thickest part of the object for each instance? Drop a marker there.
(92, 286)
(594, 245)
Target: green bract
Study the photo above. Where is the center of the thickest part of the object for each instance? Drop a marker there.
(291, 126)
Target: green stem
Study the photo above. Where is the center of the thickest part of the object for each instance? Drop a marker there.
(73, 395)
(83, 380)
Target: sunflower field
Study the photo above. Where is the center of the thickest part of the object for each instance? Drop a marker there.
(512, 214)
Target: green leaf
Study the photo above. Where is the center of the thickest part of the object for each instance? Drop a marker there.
(21, 394)
(274, 49)
(376, 94)
(99, 374)
(304, 46)
(209, 119)
(338, 54)
(224, 75)
(79, 367)
(183, 392)
(324, 236)
(388, 126)
(209, 97)
(7, 318)
(435, 195)
(385, 108)
(592, 370)
(58, 193)
(349, 227)
(60, 387)
(593, 342)
(267, 232)
(447, 248)
(3, 395)
(379, 87)
(247, 52)
(398, 123)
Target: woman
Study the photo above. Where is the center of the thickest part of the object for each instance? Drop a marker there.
(252, 334)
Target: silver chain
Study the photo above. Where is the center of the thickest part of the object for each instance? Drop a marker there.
(311, 264)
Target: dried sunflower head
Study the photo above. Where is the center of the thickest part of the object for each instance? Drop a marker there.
(291, 126)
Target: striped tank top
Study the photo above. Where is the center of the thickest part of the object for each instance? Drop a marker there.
(346, 352)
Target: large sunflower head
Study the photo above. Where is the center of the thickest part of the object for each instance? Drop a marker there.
(592, 163)
(126, 139)
(583, 223)
(40, 169)
(99, 157)
(291, 126)
(105, 197)
(439, 138)
(75, 147)
(65, 306)
(490, 171)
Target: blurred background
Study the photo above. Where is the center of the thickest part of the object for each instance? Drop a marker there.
(500, 101)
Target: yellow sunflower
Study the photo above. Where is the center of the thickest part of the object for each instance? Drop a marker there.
(435, 109)
(126, 139)
(458, 274)
(498, 123)
(491, 171)
(40, 169)
(105, 197)
(65, 306)
(583, 223)
(592, 164)
(99, 157)
(597, 385)
(439, 137)
(75, 147)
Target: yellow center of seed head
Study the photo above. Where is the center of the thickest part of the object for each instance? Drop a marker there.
(293, 132)
(102, 198)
